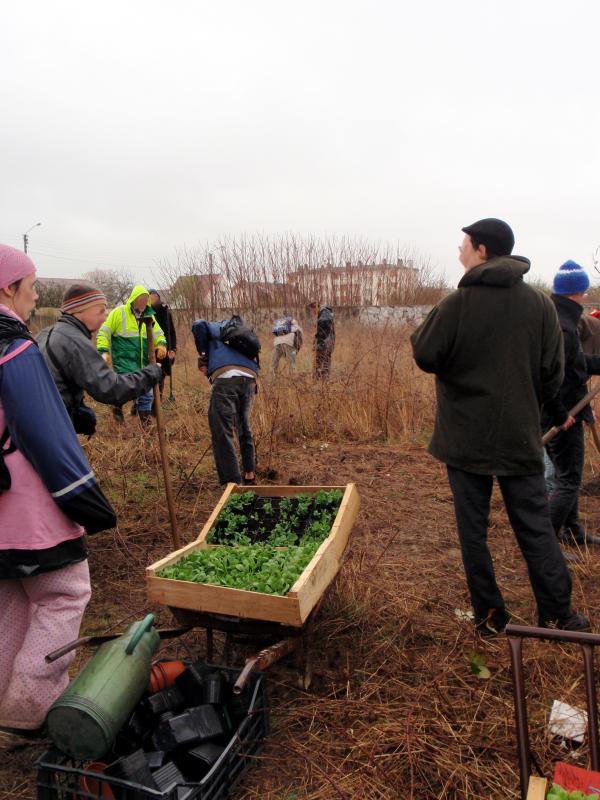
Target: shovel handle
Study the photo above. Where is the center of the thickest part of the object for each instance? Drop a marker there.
(550, 434)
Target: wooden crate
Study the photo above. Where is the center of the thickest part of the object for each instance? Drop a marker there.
(291, 609)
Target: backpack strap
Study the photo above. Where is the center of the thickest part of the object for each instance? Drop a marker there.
(5, 479)
(9, 335)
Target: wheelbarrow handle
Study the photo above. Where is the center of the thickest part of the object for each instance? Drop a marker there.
(262, 661)
(66, 648)
(164, 633)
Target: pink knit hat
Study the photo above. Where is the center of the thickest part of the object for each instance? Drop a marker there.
(14, 265)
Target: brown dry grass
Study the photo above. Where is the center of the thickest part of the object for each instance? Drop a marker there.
(393, 710)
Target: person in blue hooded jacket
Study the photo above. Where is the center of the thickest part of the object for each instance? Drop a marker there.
(49, 498)
(233, 377)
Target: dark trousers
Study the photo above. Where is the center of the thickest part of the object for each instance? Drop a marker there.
(322, 363)
(228, 416)
(567, 453)
(527, 507)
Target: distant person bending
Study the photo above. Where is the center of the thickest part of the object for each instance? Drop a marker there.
(122, 341)
(49, 498)
(77, 366)
(495, 347)
(324, 342)
(233, 377)
(164, 317)
(287, 341)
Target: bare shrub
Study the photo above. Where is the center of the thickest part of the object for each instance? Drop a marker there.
(256, 273)
(115, 283)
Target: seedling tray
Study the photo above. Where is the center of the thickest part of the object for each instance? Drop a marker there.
(263, 513)
(61, 778)
(291, 609)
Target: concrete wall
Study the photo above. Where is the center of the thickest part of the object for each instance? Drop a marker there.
(370, 315)
(393, 315)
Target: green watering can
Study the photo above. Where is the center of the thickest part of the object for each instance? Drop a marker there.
(86, 718)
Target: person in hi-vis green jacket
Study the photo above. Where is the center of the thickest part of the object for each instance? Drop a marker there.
(122, 342)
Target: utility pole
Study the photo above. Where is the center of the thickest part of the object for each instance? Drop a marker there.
(26, 237)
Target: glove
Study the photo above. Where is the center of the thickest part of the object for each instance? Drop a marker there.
(161, 352)
(107, 358)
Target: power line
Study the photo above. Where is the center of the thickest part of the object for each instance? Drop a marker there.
(93, 261)
(60, 248)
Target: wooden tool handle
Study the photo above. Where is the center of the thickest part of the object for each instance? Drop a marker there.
(550, 434)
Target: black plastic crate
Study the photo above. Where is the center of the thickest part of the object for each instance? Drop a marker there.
(61, 778)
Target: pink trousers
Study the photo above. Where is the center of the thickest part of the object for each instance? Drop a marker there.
(38, 615)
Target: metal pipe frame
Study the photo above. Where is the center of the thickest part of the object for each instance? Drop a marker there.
(587, 642)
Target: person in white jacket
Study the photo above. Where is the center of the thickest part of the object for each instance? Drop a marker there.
(287, 342)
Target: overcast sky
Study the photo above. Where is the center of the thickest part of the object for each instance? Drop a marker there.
(132, 128)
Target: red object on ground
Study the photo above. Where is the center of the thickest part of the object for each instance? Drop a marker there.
(163, 674)
(595, 313)
(574, 778)
(92, 785)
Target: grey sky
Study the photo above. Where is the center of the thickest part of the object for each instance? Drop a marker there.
(131, 128)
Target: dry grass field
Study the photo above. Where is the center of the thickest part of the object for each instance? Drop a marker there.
(394, 710)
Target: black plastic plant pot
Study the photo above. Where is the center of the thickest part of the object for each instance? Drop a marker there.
(167, 700)
(195, 725)
(238, 705)
(209, 722)
(155, 758)
(190, 682)
(212, 689)
(136, 730)
(198, 761)
(168, 777)
(133, 768)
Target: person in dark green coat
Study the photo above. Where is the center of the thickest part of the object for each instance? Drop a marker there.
(495, 347)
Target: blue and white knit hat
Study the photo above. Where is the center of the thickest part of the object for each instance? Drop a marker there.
(571, 278)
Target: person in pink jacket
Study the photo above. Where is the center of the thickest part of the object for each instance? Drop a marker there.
(49, 497)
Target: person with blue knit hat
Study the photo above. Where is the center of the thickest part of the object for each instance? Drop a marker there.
(566, 450)
(571, 279)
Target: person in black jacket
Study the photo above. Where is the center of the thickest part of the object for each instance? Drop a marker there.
(495, 348)
(566, 450)
(165, 320)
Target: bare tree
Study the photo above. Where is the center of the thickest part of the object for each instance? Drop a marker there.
(259, 275)
(50, 294)
(115, 283)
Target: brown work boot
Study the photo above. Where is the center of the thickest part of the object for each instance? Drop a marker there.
(117, 412)
(145, 418)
